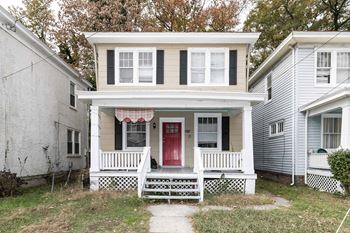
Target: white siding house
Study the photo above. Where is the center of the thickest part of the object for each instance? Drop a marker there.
(39, 110)
(307, 69)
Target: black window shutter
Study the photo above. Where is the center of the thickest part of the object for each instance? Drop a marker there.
(183, 67)
(233, 67)
(118, 135)
(225, 133)
(160, 66)
(110, 67)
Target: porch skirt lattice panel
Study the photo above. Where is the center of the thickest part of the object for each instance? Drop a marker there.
(323, 183)
(224, 185)
(117, 183)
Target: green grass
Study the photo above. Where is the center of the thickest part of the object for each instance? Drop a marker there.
(73, 210)
(237, 200)
(311, 211)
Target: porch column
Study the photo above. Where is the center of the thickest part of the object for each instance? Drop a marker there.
(247, 131)
(345, 127)
(95, 146)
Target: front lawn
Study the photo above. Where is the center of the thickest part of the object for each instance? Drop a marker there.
(310, 212)
(73, 210)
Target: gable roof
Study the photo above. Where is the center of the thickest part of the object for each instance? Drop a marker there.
(173, 37)
(295, 38)
(24, 35)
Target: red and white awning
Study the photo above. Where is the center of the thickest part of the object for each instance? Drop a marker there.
(134, 114)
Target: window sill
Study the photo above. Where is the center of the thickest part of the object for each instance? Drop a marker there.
(276, 136)
(267, 101)
(134, 84)
(73, 108)
(74, 156)
(208, 85)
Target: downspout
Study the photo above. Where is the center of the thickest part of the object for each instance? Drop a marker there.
(306, 145)
(293, 114)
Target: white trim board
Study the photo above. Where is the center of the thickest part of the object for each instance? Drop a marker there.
(172, 119)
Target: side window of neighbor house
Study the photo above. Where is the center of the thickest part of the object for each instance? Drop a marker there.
(331, 131)
(73, 142)
(323, 67)
(72, 100)
(343, 67)
(276, 128)
(269, 86)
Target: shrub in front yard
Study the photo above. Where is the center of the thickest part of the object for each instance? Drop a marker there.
(339, 162)
(10, 184)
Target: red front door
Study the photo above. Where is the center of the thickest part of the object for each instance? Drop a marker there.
(172, 144)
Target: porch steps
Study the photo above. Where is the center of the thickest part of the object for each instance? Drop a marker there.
(176, 186)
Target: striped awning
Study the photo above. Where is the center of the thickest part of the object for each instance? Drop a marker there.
(134, 114)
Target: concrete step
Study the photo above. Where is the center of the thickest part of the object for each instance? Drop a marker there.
(169, 183)
(170, 190)
(171, 197)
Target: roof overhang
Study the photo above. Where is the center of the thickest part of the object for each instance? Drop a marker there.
(332, 100)
(171, 37)
(292, 39)
(170, 99)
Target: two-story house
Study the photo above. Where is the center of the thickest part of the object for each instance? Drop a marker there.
(306, 112)
(180, 99)
(43, 127)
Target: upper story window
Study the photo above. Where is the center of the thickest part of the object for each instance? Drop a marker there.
(343, 67)
(136, 66)
(276, 128)
(332, 67)
(208, 66)
(269, 87)
(72, 96)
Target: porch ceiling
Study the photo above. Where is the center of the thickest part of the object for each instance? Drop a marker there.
(171, 99)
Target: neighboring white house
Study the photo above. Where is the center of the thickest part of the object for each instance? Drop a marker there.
(180, 98)
(43, 126)
(306, 107)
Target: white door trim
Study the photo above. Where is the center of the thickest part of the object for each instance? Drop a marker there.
(172, 119)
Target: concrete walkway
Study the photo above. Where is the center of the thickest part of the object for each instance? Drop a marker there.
(176, 218)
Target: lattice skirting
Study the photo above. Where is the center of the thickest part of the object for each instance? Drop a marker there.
(117, 183)
(323, 183)
(224, 185)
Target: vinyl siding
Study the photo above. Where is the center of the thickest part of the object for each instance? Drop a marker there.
(314, 133)
(171, 68)
(274, 153)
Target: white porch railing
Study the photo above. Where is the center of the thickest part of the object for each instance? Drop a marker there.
(199, 169)
(144, 167)
(221, 160)
(120, 160)
(318, 161)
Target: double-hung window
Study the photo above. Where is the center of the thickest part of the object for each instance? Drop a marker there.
(324, 65)
(276, 128)
(73, 142)
(331, 131)
(72, 97)
(136, 66)
(208, 130)
(343, 67)
(208, 66)
(136, 135)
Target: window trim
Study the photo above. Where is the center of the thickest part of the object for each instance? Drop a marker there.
(75, 95)
(124, 142)
(135, 52)
(333, 73)
(207, 52)
(73, 154)
(328, 115)
(219, 131)
(277, 134)
(267, 100)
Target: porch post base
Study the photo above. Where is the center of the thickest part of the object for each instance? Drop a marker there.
(249, 186)
(94, 183)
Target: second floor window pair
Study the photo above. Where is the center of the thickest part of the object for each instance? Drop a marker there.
(333, 67)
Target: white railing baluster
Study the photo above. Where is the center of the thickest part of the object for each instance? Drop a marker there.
(120, 160)
(221, 160)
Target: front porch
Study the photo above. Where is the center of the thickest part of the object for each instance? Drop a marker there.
(327, 130)
(204, 145)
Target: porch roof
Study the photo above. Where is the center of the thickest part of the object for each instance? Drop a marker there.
(334, 99)
(170, 98)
